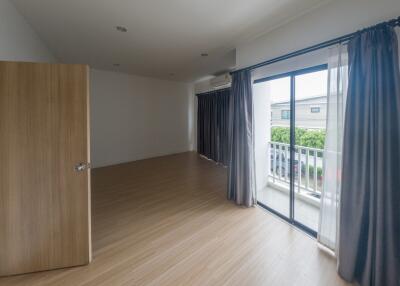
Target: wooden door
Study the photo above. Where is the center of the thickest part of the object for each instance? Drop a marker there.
(44, 199)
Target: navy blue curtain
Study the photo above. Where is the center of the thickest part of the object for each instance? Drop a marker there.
(241, 181)
(369, 240)
(212, 125)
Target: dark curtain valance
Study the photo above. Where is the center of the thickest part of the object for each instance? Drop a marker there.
(212, 125)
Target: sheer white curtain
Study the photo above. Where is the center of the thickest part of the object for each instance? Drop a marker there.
(337, 90)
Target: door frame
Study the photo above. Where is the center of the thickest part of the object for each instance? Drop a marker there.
(292, 75)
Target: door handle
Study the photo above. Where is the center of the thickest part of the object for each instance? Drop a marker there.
(82, 167)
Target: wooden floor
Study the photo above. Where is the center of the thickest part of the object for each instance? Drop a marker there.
(165, 221)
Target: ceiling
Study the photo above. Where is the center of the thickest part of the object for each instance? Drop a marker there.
(165, 37)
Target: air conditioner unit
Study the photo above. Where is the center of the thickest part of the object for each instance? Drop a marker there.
(221, 80)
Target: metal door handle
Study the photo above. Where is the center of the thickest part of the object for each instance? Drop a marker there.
(82, 167)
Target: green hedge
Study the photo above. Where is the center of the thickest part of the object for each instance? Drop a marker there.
(304, 137)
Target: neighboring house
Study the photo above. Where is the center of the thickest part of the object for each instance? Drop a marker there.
(310, 113)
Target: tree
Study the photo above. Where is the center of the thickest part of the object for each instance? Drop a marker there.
(313, 139)
(304, 137)
(280, 134)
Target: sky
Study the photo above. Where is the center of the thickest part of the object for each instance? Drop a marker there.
(307, 85)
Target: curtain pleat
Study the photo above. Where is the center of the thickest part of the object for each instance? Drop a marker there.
(212, 121)
(369, 240)
(241, 178)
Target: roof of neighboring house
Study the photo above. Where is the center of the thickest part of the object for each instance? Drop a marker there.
(303, 100)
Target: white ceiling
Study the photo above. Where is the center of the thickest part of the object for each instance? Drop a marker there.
(165, 37)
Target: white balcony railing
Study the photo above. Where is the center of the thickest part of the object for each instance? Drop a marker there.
(308, 167)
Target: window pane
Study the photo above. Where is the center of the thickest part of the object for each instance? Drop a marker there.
(285, 114)
(310, 124)
(315, 109)
(272, 126)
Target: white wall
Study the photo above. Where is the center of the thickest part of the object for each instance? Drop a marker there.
(262, 133)
(18, 41)
(334, 19)
(134, 117)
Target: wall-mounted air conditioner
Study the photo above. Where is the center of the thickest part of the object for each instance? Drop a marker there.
(221, 80)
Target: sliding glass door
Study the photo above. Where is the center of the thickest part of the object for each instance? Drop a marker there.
(295, 107)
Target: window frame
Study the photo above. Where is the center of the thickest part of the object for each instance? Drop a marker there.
(287, 114)
(314, 108)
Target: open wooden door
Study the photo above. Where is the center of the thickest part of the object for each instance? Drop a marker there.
(44, 155)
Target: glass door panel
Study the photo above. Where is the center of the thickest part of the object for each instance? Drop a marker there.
(274, 192)
(310, 125)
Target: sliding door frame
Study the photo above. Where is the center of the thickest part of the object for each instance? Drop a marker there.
(292, 149)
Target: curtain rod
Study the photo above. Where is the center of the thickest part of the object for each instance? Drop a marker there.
(393, 23)
(213, 91)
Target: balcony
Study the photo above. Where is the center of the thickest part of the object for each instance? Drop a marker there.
(308, 166)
